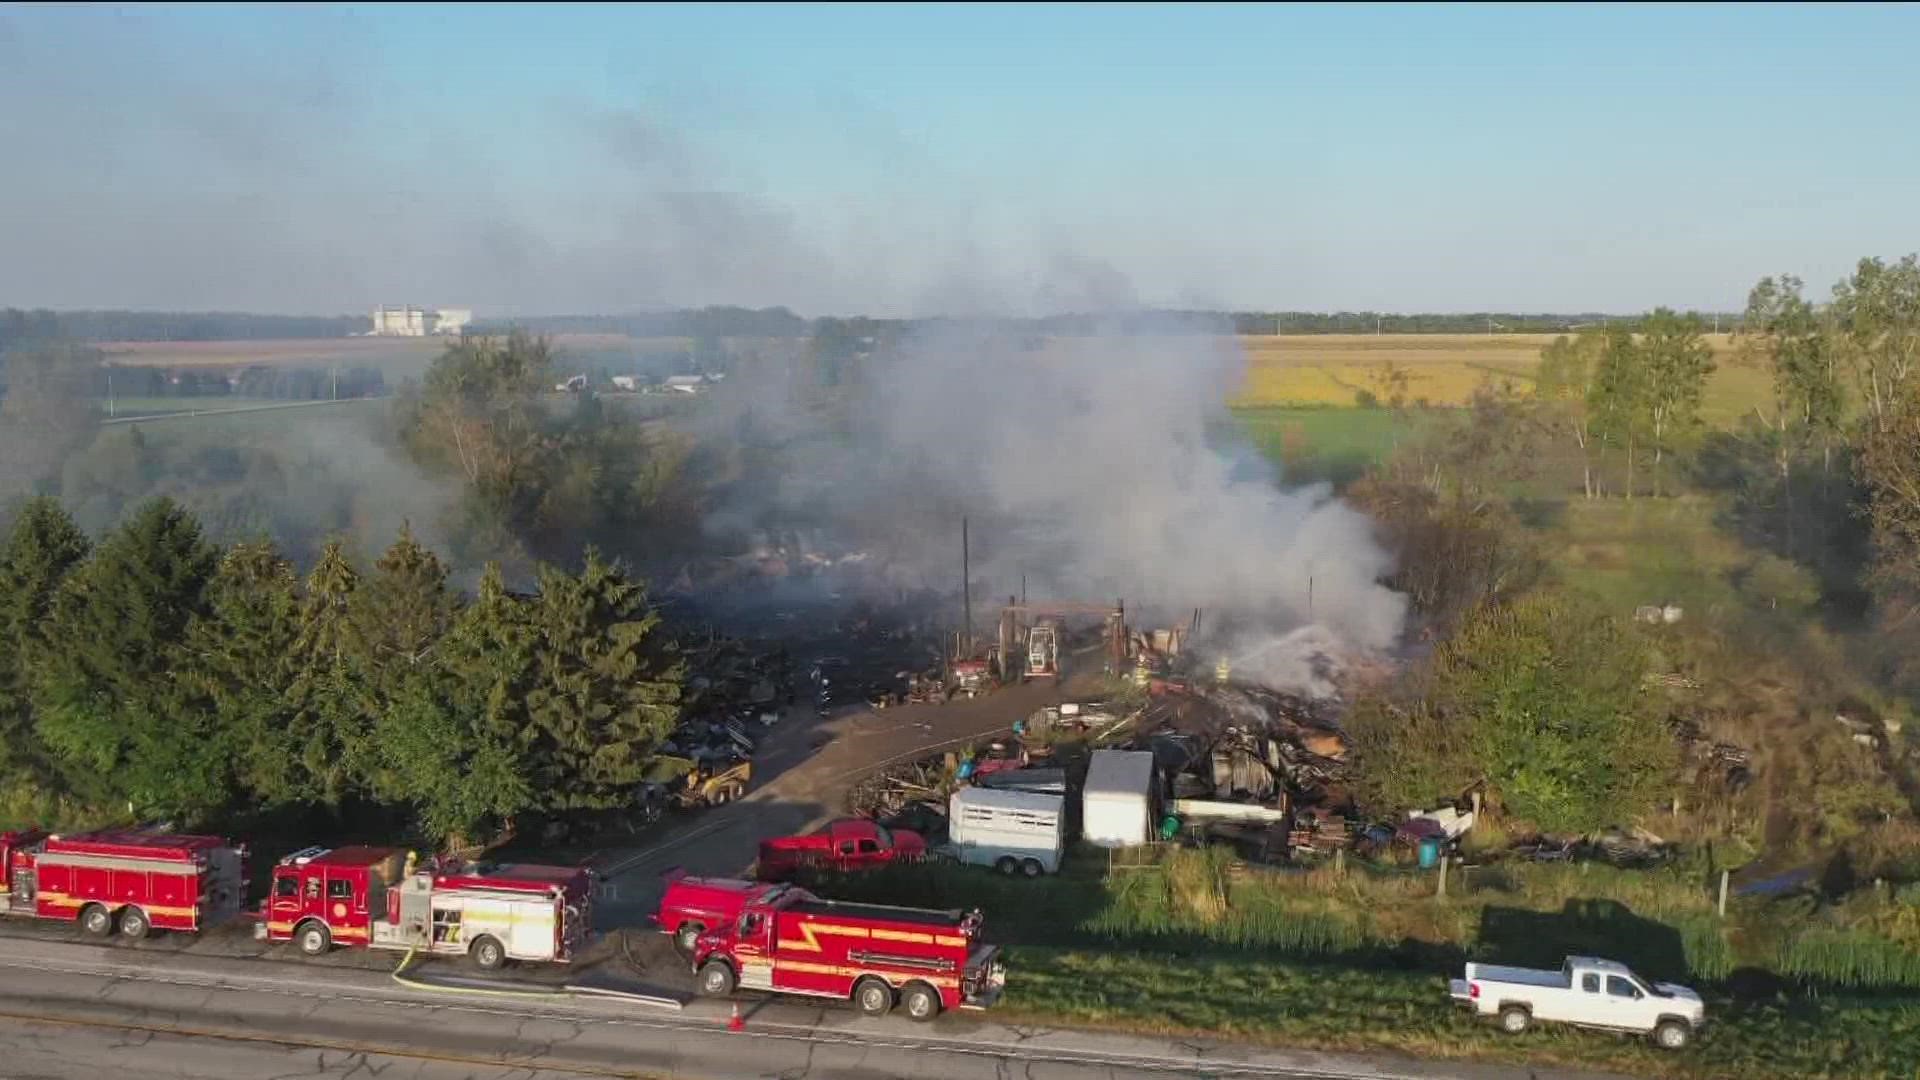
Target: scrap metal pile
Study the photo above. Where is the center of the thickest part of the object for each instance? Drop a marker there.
(1257, 741)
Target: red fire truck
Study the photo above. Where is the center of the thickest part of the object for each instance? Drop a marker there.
(376, 898)
(133, 880)
(787, 940)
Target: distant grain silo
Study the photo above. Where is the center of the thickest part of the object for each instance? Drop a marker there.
(409, 321)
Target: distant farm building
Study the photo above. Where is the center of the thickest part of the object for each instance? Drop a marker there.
(410, 321)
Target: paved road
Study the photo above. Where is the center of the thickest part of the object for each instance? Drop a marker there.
(83, 1011)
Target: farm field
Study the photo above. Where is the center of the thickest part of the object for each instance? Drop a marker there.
(398, 358)
(1444, 369)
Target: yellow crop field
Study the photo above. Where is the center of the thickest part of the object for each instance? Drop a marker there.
(1442, 369)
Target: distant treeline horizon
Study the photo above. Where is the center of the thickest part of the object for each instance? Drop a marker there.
(18, 325)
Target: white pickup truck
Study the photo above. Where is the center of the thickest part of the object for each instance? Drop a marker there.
(1585, 992)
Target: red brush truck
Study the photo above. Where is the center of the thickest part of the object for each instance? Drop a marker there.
(131, 880)
(845, 844)
(785, 939)
(370, 897)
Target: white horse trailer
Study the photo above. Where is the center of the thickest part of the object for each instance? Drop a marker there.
(1012, 831)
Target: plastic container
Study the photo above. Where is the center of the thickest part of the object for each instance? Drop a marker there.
(1429, 852)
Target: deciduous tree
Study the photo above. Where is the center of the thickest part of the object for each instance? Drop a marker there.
(1677, 360)
(1565, 383)
(1550, 692)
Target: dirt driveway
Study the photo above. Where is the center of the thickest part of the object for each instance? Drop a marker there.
(802, 773)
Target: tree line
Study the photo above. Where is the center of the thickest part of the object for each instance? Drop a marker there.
(160, 674)
(259, 381)
(20, 326)
(1532, 691)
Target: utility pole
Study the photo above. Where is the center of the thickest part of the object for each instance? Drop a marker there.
(336, 382)
(109, 393)
(966, 586)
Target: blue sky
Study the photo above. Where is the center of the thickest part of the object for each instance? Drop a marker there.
(900, 160)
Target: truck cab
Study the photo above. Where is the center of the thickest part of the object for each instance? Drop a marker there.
(340, 891)
(17, 882)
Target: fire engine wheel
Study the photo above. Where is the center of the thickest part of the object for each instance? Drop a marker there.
(488, 955)
(96, 921)
(1032, 868)
(921, 1001)
(133, 923)
(716, 979)
(685, 938)
(1007, 865)
(313, 939)
(873, 997)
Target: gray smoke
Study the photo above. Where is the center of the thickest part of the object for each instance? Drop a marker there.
(1096, 468)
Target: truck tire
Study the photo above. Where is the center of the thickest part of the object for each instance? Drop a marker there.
(134, 923)
(738, 791)
(1032, 868)
(96, 921)
(716, 979)
(1515, 1019)
(1006, 865)
(313, 938)
(922, 1002)
(488, 954)
(1672, 1035)
(873, 996)
(687, 936)
(719, 797)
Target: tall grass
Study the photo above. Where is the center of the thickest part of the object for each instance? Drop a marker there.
(1848, 958)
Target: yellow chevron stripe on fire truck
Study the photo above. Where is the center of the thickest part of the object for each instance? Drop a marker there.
(63, 900)
(807, 968)
(809, 940)
(903, 935)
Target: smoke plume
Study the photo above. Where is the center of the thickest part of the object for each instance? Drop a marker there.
(1092, 468)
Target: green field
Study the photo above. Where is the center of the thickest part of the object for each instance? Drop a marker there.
(1323, 442)
(1186, 944)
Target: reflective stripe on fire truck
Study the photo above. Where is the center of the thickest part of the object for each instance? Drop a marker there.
(806, 968)
(810, 932)
(62, 900)
(917, 938)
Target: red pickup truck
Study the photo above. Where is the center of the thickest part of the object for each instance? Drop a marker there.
(845, 844)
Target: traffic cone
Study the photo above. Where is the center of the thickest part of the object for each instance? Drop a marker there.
(735, 1023)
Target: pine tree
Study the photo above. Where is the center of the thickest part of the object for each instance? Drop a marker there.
(242, 666)
(605, 690)
(42, 547)
(451, 734)
(402, 609)
(329, 700)
(105, 695)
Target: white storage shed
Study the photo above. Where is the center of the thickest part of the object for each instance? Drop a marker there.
(1117, 803)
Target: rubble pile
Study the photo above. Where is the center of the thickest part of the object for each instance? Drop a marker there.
(1251, 730)
(1727, 763)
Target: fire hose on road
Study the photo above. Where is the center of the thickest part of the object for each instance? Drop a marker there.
(652, 1000)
